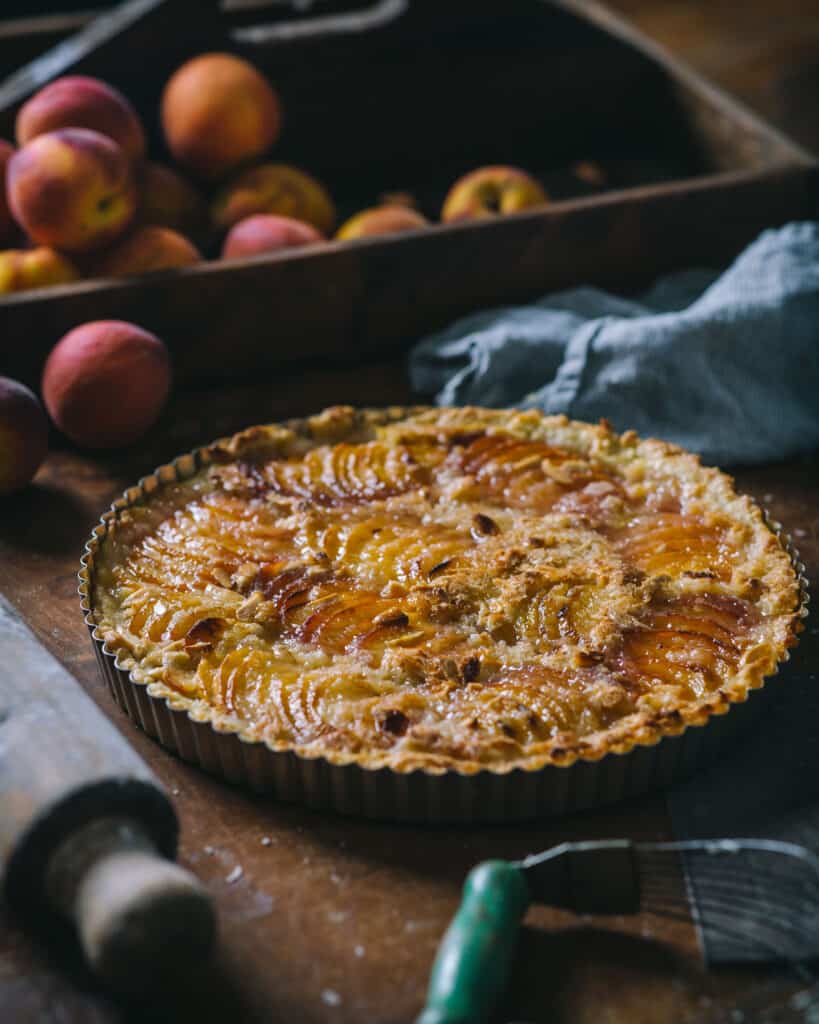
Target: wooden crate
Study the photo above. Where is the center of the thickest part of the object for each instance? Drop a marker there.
(409, 95)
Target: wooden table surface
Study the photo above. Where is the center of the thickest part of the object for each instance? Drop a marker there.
(337, 920)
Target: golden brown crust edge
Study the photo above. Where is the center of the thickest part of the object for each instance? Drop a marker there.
(344, 423)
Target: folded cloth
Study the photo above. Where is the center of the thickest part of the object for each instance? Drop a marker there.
(726, 365)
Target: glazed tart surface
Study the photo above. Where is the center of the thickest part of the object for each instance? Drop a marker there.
(446, 589)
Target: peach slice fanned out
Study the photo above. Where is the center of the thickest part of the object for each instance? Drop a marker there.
(528, 474)
(672, 543)
(346, 473)
(689, 641)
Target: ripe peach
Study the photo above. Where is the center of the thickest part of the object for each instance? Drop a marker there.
(217, 112)
(71, 189)
(169, 201)
(492, 190)
(106, 382)
(80, 102)
(6, 222)
(266, 233)
(145, 250)
(23, 269)
(381, 220)
(274, 188)
(23, 435)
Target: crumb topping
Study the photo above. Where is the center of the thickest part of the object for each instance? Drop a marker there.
(457, 588)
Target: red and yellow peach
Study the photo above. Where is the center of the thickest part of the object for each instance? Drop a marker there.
(24, 269)
(489, 191)
(77, 101)
(276, 189)
(71, 189)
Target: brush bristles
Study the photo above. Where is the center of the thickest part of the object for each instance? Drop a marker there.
(750, 900)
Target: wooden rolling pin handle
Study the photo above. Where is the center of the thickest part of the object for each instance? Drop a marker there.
(140, 918)
(86, 831)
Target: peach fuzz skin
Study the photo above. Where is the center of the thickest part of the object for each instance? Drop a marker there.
(217, 112)
(71, 189)
(77, 101)
(23, 435)
(23, 269)
(105, 383)
(489, 191)
(267, 233)
(381, 220)
(278, 189)
(145, 250)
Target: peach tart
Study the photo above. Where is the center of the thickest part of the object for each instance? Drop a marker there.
(450, 590)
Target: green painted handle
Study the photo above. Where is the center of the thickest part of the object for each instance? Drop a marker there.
(472, 965)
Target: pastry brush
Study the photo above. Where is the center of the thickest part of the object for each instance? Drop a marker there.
(749, 899)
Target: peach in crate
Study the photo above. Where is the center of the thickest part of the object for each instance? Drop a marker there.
(168, 200)
(77, 101)
(492, 190)
(71, 189)
(381, 220)
(24, 269)
(278, 189)
(145, 250)
(218, 112)
(267, 233)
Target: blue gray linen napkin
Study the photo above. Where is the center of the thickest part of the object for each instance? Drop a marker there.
(724, 364)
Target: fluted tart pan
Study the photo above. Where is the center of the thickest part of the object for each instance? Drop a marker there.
(512, 501)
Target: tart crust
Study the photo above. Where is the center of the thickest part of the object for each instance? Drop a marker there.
(446, 590)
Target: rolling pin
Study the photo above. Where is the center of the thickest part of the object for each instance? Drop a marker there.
(86, 831)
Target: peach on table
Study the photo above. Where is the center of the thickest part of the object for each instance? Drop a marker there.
(23, 435)
(106, 382)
